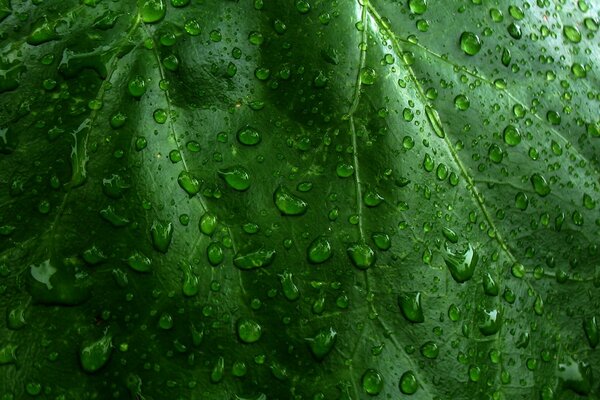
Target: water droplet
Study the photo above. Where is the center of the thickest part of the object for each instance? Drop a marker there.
(410, 305)
(288, 203)
(218, 371)
(572, 33)
(15, 318)
(540, 185)
(434, 119)
(215, 253)
(8, 354)
(506, 57)
(590, 327)
(290, 290)
(152, 10)
(188, 183)
(248, 136)
(489, 321)
(94, 256)
(372, 382)
(249, 331)
(208, 223)
(237, 177)
(344, 170)
(521, 201)
(161, 233)
(514, 31)
(190, 281)
(361, 255)
(470, 43)
(254, 259)
(43, 30)
(461, 263)
(372, 198)
(450, 235)
(462, 102)
(322, 343)
(368, 76)
(553, 117)
(96, 354)
(417, 6)
(490, 287)
(512, 136)
(430, 350)
(381, 240)
(319, 250)
(496, 15)
(408, 383)
(139, 262)
(137, 86)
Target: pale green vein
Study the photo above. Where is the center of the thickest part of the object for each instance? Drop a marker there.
(477, 197)
(476, 75)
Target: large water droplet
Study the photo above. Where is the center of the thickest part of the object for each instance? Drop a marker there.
(461, 263)
(96, 354)
(254, 259)
(288, 203)
(490, 321)
(188, 183)
(470, 43)
(410, 305)
(361, 255)
(322, 343)
(161, 233)
(249, 331)
(540, 185)
(372, 382)
(319, 250)
(408, 383)
(152, 11)
(236, 177)
(576, 376)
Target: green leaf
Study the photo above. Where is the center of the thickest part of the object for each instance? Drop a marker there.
(299, 199)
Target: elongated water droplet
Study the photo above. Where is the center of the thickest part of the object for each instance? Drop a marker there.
(254, 259)
(590, 326)
(96, 354)
(410, 305)
(288, 203)
(289, 288)
(322, 343)
(161, 233)
(434, 119)
(218, 371)
(190, 281)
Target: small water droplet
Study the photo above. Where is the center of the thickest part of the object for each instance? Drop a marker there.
(361, 255)
(249, 331)
(410, 305)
